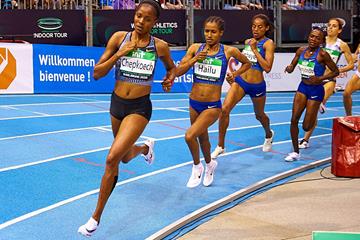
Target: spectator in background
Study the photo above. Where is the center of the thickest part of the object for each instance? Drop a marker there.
(124, 4)
(197, 4)
(293, 5)
(172, 4)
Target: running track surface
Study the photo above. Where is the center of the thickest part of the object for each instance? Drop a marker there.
(53, 149)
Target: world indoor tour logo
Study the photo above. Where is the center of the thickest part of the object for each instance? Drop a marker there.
(50, 28)
(7, 68)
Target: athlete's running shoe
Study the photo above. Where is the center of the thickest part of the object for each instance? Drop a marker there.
(218, 151)
(150, 156)
(209, 173)
(294, 156)
(88, 228)
(304, 144)
(196, 174)
(268, 142)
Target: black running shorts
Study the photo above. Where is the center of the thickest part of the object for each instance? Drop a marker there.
(120, 107)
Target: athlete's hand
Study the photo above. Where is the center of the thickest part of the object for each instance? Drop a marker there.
(167, 84)
(253, 44)
(127, 47)
(289, 69)
(201, 55)
(230, 78)
(314, 80)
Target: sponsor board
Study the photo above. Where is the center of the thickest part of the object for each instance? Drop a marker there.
(65, 69)
(16, 71)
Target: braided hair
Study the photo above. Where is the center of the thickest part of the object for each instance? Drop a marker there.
(154, 3)
(218, 20)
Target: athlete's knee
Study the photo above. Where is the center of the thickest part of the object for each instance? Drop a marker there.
(204, 139)
(307, 126)
(112, 161)
(225, 111)
(294, 121)
(346, 94)
(189, 136)
(261, 117)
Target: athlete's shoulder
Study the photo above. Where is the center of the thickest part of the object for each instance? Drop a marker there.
(300, 50)
(160, 43)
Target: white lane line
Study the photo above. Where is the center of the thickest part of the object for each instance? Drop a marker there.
(56, 205)
(323, 128)
(52, 132)
(53, 115)
(176, 109)
(104, 129)
(156, 139)
(107, 127)
(24, 110)
(52, 159)
(96, 112)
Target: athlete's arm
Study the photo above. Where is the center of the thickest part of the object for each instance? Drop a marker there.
(290, 68)
(190, 59)
(326, 60)
(347, 53)
(245, 63)
(267, 62)
(111, 54)
(165, 57)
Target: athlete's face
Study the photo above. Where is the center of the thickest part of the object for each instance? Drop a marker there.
(315, 38)
(144, 19)
(259, 28)
(333, 28)
(212, 33)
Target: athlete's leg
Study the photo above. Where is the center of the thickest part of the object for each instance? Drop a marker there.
(199, 126)
(235, 94)
(125, 137)
(259, 107)
(299, 105)
(352, 86)
(329, 88)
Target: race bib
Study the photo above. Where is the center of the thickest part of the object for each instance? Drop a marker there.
(138, 64)
(208, 69)
(306, 68)
(334, 54)
(250, 54)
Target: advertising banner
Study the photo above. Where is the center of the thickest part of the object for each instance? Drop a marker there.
(16, 68)
(65, 69)
(170, 27)
(296, 25)
(237, 24)
(44, 26)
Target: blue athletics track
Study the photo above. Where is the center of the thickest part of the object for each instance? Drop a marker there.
(53, 149)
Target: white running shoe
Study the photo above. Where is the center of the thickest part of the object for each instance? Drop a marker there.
(150, 156)
(268, 142)
(304, 144)
(292, 157)
(218, 150)
(88, 228)
(196, 174)
(209, 173)
(322, 108)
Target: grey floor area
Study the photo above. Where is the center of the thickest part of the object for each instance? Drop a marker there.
(291, 211)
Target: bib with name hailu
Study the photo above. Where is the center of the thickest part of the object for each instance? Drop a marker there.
(138, 65)
(212, 69)
(310, 66)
